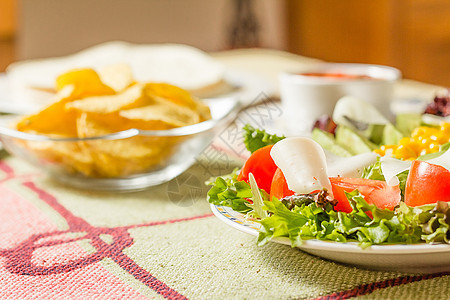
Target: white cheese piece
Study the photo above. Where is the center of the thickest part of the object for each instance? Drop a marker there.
(357, 110)
(391, 167)
(303, 163)
(351, 166)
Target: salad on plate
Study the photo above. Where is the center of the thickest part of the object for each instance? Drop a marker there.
(358, 178)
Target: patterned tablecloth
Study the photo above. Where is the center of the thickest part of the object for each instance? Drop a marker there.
(57, 242)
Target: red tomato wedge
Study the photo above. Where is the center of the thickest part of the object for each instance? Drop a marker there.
(279, 188)
(427, 183)
(375, 192)
(261, 165)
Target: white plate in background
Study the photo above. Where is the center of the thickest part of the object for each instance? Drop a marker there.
(248, 88)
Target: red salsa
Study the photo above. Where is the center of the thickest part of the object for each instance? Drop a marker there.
(337, 75)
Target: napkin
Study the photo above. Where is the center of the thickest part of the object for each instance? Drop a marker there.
(165, 242)
(57, 242)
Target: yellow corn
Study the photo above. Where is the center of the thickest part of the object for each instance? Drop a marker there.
(423, 140)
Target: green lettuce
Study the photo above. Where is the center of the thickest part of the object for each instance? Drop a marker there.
(374, 172)
(433, 220)
(228, 191)
(314, 222)
(258, 198)
(365, 224)
(255, 139)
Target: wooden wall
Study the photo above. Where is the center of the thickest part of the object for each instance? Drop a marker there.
(413, 36)
(7, 18)
(7, 32)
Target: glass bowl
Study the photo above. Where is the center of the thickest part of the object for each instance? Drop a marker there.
(123, 161)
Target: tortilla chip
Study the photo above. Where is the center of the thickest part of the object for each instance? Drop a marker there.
(129, 98)
(86, 83)
(73, 157)
(86, 107)
(92, 125)
(53, 120)
(178, 96)
(107, 165)
(113, 158)
(164, 111)
(118, 76)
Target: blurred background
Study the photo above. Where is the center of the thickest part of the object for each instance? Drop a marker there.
(413, 36)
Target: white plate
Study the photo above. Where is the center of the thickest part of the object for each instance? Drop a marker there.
(25, 103)
(417, 258)
(248, 89)
(251, 88)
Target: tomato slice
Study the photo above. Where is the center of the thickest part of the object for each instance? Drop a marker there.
(375, 192)
(427, 183)
(279, 188)
(261, 165)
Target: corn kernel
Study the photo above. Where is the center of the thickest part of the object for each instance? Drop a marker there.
(404, 152)
(445, 128)
(434, 147)
(423, 140)
(443, 140)
(420, 138)
(419, 131)
(387, 147)
(380, 152)
(415, 146)
(423, 152)
(405, 141)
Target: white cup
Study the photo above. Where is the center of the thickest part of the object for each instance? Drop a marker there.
(306, 96)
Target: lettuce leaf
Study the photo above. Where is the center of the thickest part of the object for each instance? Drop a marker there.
(406, 225)
(300, 220)
(255, 139)
(374, 172)
(432, 219)
(258, 197)
(228, 191)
